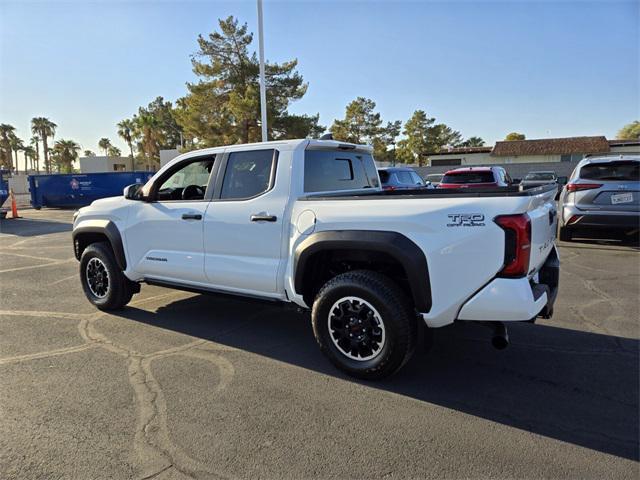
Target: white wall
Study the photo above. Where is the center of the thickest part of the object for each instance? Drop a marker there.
(104, 164)
(167, 155)
(19, 183)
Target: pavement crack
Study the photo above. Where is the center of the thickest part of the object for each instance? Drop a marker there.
(154, 475)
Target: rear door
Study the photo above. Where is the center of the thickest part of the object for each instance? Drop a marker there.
(244, 224)
(615, 186)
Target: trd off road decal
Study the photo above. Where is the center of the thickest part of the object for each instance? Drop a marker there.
(466, 220)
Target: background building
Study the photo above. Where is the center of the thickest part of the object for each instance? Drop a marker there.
(106, 164)
(522, 156)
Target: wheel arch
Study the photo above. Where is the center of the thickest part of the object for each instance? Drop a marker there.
(315, 255)
(92, 231)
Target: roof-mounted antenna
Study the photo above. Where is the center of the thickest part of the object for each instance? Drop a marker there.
(326, 136)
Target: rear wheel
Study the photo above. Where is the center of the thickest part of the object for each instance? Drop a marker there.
(103, 282)
(565, 234)
(364, 324)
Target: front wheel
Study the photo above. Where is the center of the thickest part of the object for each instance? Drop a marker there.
(104, 284)
(364, 324)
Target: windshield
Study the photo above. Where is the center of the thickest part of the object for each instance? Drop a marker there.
(540, 176)
(622, 170)
(469, 177)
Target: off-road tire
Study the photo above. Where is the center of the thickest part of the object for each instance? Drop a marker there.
(120, 289)
(396, 312)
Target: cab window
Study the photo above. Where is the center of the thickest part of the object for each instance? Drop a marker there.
(329, 170)
(248, 174)
(189, 182)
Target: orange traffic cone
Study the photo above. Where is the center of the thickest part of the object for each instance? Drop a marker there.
(14, 207)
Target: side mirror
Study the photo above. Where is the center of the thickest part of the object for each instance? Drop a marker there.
(133, 192)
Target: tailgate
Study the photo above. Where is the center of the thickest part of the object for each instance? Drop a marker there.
(543, 215)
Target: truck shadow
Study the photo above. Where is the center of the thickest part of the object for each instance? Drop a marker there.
(573, 386)
(23, 227)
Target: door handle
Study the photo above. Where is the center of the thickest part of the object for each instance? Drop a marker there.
(191, 216)
(263, 217)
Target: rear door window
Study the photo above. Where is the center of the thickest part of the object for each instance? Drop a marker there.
(248, 174)
(329, 170)
(405, 178)
(468, 177)
(416, 178)
(617, 171)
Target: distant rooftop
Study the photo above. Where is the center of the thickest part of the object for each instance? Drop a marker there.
(543, 146)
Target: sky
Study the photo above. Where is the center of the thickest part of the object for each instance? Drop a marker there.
(543, 68)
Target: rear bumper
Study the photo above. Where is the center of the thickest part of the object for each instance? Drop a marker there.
(574, 217)
(516, 299)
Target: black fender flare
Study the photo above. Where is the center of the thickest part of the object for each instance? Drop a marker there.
(399, 247)
(102, 227)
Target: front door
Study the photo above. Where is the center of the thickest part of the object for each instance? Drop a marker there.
(243, 227)
(165, 235)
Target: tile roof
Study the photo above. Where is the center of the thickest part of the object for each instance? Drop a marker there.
(551, 146)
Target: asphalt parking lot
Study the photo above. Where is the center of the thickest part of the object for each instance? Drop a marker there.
(181, 385)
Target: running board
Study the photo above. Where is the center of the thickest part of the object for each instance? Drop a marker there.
(213, 291)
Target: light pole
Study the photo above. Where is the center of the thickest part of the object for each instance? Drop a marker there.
(263, 87)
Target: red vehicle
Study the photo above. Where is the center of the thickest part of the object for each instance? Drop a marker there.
(476, 177)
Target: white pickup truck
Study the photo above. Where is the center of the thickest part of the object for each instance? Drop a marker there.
(306, 222)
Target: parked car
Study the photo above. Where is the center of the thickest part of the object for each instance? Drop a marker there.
(477, 177)
(306, 222)
(434, 178)
(602, 193)
(535, 179)
(401, 178)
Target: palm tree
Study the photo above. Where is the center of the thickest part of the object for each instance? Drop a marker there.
(16, 144)
(114, 151)
(35, 141)
(104, 144)
(126, 129)
(66, 152)
(89, 153)
(6, 158)
(151, 137)
(29, 154)
(45, 128)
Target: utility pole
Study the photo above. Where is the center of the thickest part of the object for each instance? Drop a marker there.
(263, 86)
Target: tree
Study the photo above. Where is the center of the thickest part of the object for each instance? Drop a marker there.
(361, 124)
(423, 135)
(6, 158)
(44, 128)
(65, 153)
(417, 137)
(29, 157)
(514, 136)
(148, 128)
(104, 143)
(89, 153)
(473, 142)
(630, 131)
(16, 145)
(441, 136)
(223, 107)
(126, 131)
(113, 151)
(389, 135)
(35, 141)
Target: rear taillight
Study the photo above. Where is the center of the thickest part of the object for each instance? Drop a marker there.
(517, 244)
(574, 187)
